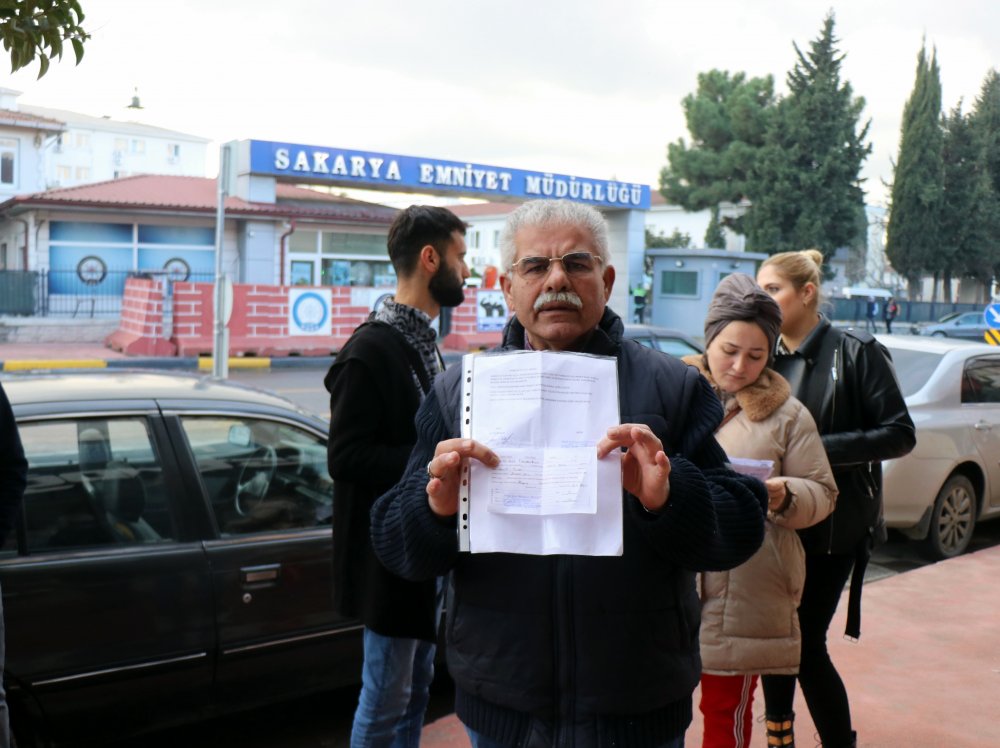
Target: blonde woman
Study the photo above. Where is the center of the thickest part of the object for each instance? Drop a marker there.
(749, 623)
(846, 380)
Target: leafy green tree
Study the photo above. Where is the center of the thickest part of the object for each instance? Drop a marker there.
(726, 117)
(676, 240)
(913, 238)
(39, 29)
(714, 238)
(807, 189)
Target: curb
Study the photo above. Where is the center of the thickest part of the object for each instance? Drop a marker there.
(197, 363)
(190, 362)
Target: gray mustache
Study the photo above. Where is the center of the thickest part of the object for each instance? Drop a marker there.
(549, 297)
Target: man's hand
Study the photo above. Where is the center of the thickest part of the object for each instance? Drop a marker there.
(445, 472)
(645, 467)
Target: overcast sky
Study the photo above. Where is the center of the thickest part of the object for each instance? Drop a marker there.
(577, 87)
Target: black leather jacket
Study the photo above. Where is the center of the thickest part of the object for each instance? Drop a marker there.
(846, 380)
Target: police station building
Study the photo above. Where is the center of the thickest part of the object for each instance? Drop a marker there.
(259, 167)
(86, 241)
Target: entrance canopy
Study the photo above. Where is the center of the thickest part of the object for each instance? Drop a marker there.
(307, 164)
(259, 165)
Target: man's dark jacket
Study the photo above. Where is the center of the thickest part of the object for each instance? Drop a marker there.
(846, 380)
(373, 398)
(609, 639)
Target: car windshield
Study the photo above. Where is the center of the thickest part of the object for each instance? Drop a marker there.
(914, 368)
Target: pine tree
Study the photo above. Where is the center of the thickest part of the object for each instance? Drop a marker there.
(807, 190)
(985, 124)
(726, 118)
(913, 238)
(966, 247)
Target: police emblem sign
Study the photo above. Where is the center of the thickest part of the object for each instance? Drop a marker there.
(309, 311)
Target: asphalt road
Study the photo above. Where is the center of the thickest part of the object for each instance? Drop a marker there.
(300, 385)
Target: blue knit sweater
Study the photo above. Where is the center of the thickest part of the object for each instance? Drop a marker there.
(590, 650)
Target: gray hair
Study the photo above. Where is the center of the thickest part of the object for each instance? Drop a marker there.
(553, 212)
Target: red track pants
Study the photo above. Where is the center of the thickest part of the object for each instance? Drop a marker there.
(727, 705)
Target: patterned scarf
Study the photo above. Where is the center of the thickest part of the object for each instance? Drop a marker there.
(416, 328)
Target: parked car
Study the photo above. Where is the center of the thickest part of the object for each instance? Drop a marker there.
(173, 559)
(663, 339)
(967, 325)
(951, 480)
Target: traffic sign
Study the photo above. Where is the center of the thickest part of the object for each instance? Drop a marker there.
(992, 337)
(992, 316)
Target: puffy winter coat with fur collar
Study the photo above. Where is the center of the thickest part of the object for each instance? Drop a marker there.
(749, 622)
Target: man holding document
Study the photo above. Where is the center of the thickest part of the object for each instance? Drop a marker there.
(574, 619)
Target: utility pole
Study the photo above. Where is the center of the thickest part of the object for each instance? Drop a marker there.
(223, 287)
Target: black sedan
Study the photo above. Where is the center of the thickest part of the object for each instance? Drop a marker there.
(173, 557)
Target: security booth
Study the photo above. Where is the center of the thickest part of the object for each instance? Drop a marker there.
(685, 279)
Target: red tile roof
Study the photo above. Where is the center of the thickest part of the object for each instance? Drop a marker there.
(200, 195)
(11, 118)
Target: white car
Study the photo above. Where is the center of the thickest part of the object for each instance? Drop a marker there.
(951, 479)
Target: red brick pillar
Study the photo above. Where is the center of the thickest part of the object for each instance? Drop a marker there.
(140, 330)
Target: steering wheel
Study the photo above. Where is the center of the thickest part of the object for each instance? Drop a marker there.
(255, 479)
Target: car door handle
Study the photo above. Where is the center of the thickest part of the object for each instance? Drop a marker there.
(983, 426)
(255, 575)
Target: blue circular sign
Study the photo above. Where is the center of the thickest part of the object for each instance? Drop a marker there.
(991, 316)
(310, 312)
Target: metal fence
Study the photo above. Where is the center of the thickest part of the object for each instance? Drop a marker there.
(853, 310)
(72, 293)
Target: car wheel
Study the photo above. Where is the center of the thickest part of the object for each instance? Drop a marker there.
(938, 334)
(952, 519)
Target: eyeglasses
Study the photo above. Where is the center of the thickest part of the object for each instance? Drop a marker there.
(574, 264)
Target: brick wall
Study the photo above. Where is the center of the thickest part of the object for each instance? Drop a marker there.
(258, 325)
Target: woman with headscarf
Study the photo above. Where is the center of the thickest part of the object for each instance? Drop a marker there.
(749, 622)
(846, 380)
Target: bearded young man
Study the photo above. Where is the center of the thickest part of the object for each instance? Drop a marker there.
(376, 384)
(578, 651)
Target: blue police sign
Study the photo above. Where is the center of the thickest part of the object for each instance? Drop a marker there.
(366, 170)
(309, 311)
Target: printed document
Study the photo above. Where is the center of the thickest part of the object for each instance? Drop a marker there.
(543, 413)
(759, 469)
